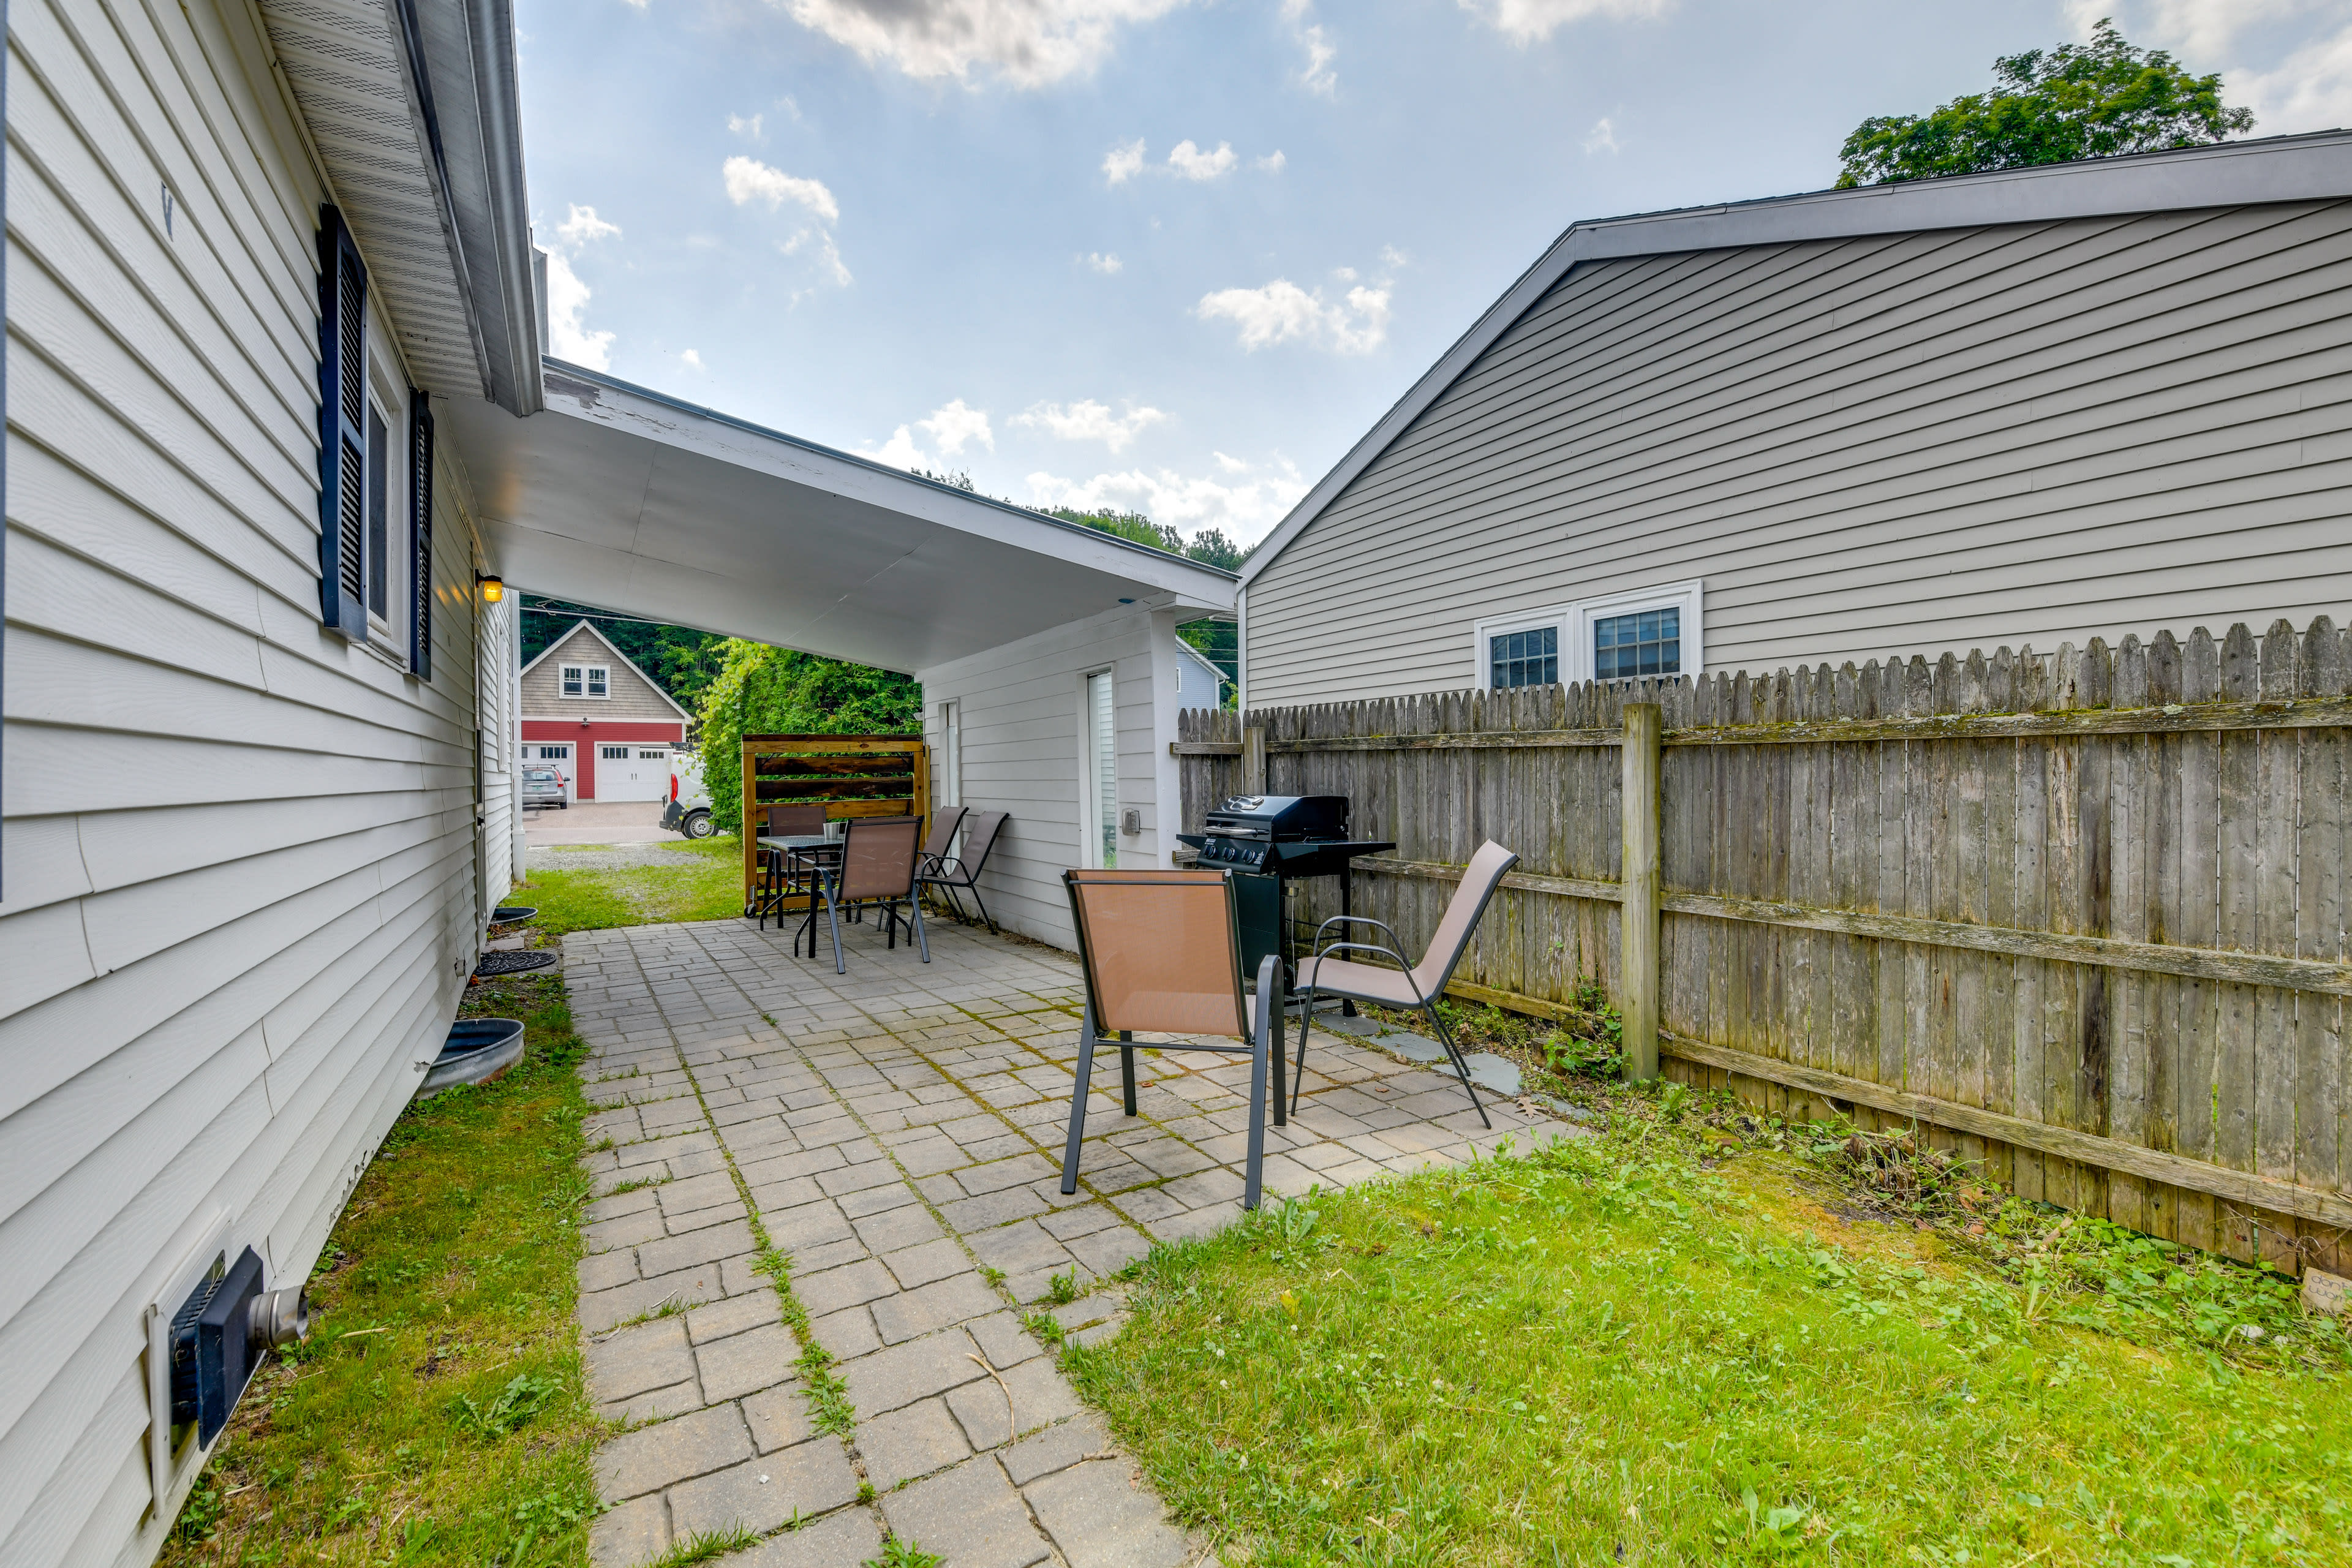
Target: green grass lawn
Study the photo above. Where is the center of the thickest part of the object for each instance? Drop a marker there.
(437, 1415)
(707, 887)
(1611, 1353)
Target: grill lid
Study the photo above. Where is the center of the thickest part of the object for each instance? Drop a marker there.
(1280, 816)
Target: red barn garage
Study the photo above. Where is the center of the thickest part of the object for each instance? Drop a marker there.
(600, 718)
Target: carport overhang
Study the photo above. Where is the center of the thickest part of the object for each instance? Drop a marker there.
(620, 497)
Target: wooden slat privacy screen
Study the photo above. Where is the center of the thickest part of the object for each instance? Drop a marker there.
(2084, 913)
(849, 775)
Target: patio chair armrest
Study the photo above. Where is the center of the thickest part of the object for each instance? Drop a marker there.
(1269, 985)
(1395, 948)
(939, 870)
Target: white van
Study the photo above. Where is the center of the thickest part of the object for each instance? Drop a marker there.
(687, 809)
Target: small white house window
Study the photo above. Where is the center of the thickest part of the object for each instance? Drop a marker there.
(1644, 634)
(587, 680)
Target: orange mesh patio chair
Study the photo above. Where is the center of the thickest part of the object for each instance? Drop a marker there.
(880, 858)
(1408, 985)
(1162, 954)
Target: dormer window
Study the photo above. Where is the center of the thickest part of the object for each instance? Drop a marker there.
(587, 680)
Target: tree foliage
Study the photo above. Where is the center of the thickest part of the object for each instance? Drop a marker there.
(765, 691)
(679, 659)
(2052, 106)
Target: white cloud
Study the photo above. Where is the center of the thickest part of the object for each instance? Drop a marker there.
(1188, 502)
(1532, 21)
(1088, 420)
(955, 424)
(1103, 261)
(583, 225)
(568, 337)
(1272, 162)
(691, 360)
(819, 243)
(1392, 257)
(1124, 162)
(1027, 43)
(1281, 311)
(1601, 138)
(948, 427)
(2311, 90)
(749, 180)
(1188, 161)
(746, 126)
(2307, 87)
(1230, 465)
(1317, 75)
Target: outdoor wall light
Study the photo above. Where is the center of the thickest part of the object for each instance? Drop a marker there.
(494, 587)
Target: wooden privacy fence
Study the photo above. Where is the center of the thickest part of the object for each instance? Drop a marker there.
(2084, 913)
(849, 775)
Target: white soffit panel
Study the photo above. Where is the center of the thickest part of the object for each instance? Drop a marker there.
(350, 80)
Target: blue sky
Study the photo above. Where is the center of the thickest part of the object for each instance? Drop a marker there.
(1177, 257)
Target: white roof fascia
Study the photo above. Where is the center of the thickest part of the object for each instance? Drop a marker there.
(601, 399)
(590, 628)
(2315, 167)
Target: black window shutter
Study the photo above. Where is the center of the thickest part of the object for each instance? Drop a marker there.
(420, 534)
(343, 434)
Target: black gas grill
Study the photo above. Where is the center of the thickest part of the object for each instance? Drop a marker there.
(1269, 841)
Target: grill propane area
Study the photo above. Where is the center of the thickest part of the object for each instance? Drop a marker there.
(1268, 841)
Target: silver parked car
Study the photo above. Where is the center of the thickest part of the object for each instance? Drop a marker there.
(544, 786)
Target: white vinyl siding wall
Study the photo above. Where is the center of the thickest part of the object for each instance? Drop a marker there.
(1021, 712)
(239, 852)
(1901, 444)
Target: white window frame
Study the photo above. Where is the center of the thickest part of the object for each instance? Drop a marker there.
(592, 676)
(1574, 621)
(1090, 779)
(608, 753)
(388, 633)
(567, 677)
(950, 750)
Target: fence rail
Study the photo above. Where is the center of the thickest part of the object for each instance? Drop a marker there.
(2084, 912)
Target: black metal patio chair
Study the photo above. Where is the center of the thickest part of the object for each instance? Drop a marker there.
(960, 871)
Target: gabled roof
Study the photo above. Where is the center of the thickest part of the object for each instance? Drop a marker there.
(626, 662)
(2315, 167)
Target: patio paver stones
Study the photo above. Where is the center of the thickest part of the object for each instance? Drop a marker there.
(899, 1132)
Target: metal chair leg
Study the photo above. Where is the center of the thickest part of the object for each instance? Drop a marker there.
(922, 939)
(976, 899)
(833, 916)
(1269, 982)
(1306, 1022)
(1078, 1102)
(1127, 1068)
(1461, 1067)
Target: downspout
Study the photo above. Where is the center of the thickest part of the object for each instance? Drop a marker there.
(1241, 649)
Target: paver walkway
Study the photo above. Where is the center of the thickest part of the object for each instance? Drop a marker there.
(896, 1131)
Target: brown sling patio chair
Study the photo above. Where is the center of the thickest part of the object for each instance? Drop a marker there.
(1161, 953)
(779, 869)
(1408, 985)
(879, 855)
(948, 873)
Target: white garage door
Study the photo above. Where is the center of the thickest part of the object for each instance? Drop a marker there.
(631, 773)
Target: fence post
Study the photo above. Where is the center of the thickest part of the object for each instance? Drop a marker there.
(1253, 760)
(1638, 946)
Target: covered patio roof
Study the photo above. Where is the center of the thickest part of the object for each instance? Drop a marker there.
(619, 497)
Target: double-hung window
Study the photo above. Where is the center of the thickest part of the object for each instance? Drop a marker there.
(1644, 634)
(587, 680)
(376, 471)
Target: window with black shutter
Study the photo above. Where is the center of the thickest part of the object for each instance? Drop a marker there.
(420, 534)
(342, 429)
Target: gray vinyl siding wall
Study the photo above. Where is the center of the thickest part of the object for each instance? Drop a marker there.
(1901, 444)
(239, 853)
(634, 699)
